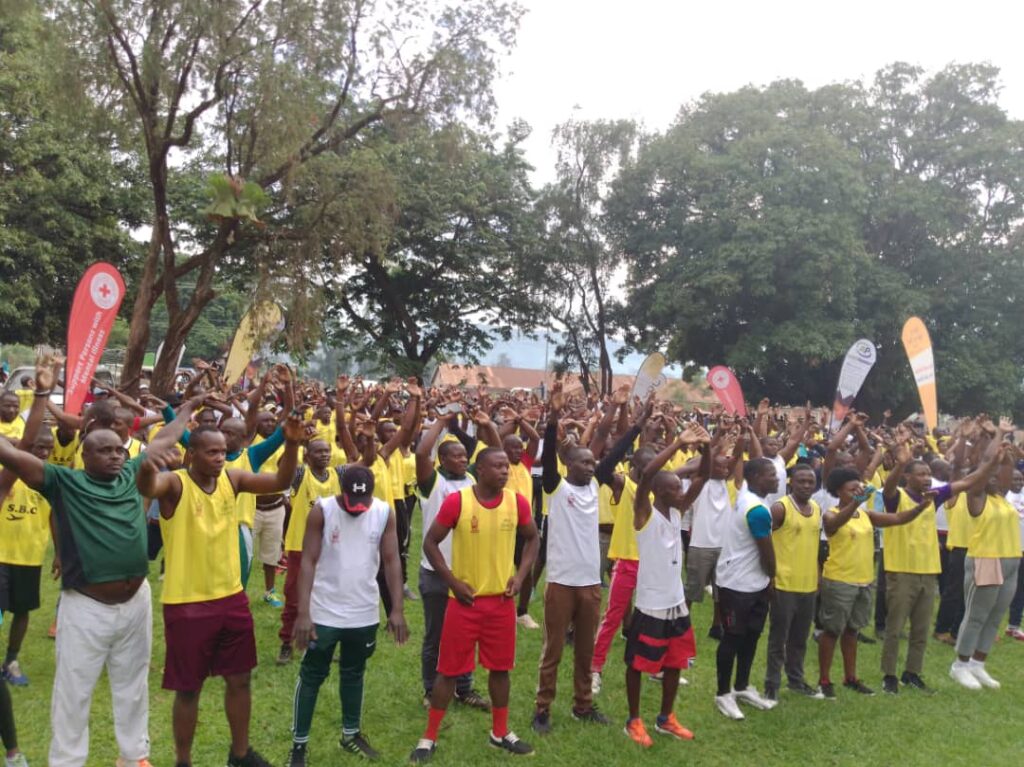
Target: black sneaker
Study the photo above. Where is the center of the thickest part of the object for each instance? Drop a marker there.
(423, 752)
(473, 699)
(359, 745)
(801, 688)
(858, 686)
(297, 756)
(511, 743)
(716, 633)
(865, 639)
(541, 723)
(251, 759)
(890, 685)
(826, 691)
(284, 656)
(591, 715)
(771, 692)
(913, 680)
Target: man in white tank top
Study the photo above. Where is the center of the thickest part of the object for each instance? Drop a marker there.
(346, 538)
(660, 635)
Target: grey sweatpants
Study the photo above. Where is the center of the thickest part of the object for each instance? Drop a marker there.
(984, 607)
(791, 616)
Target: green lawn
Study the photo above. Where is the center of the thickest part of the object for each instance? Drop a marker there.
(951, 727)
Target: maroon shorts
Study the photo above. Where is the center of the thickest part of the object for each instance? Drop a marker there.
(204, 639)
(654, 644)
(489, 622)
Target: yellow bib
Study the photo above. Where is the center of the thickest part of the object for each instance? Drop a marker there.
(24, 526)
(961, 523)
(996, 530)
(484, 542)
(63, 455)
(520, 481)
(245, 503)
(796, 549)
(396, 475)
(201, 544)
(605, 510)
(623, 542)
(13, 430)
(310, 491)
(382, 482)
(913, 548)
(851, 551)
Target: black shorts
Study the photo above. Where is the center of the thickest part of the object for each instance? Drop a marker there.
(743, 612)
(19, 588)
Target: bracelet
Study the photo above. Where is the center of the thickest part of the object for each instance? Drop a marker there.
(46, 393)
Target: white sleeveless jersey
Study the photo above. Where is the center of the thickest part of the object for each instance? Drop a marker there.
(431, 504)
(710, 511)
(739, 564)
(345, 593)
(574, 548)
(659, 582)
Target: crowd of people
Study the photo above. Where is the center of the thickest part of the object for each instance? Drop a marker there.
(774, 517)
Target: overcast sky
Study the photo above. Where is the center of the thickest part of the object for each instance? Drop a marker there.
(642, 59)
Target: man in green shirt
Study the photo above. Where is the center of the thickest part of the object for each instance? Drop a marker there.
(105, 617)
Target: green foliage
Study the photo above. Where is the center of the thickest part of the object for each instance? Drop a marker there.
(234, 198)
(453, 249)
(65, 202)
(769, 228)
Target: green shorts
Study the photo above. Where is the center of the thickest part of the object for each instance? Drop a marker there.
(843, 606)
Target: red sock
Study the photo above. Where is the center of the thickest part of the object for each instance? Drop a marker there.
(499, 719)
(824, 680)
(434, 717)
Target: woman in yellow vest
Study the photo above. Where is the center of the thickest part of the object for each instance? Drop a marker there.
(990, 571)
(845, 600)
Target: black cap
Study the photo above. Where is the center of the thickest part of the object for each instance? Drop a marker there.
(356, 489)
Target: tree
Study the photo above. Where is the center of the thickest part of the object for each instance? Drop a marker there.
(64, 202)
(257, 89)
(771, 227)
(459, 251)
(582, 260)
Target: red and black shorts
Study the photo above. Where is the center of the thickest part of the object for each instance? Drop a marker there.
(490, 623)
(654, 644)
(213, 638)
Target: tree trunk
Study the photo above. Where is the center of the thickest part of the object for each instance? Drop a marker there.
(605, 360)
(146, 295)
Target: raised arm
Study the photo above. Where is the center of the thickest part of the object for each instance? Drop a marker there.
(268, 484)
(425, 449)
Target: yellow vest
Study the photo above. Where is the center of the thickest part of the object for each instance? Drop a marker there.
(605, 510)
(396, 475)
(310, 491)
(484, 541)
(24, 526)
(201, 544)
(961, 523)
(63, 455)
(623, 542)
(409, 470)
(796, 549)
(914, 547)
(996, 530)
(13, 430)
(851, 551)
(520, 481)
(382, 481)
(245, 503)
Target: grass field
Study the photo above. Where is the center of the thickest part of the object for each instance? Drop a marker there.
(953, 727)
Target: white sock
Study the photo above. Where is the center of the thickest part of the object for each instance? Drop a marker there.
(960, 663)
(977, 663)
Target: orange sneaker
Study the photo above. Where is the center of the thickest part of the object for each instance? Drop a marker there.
(638, 733)
(141, 763)
(52, 631)
(672, 727)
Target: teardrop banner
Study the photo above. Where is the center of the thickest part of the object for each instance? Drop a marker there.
(97, 300)
(918, 344)
(258, 325)
(858, 363)
(725, 386)
(649, 377)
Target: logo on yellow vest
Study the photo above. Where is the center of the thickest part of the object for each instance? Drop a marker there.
(474, 524)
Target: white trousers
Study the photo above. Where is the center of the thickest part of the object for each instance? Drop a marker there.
(91, 635)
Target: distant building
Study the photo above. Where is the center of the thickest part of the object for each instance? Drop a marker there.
(496, 378)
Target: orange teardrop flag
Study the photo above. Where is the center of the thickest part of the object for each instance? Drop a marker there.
(918, 344)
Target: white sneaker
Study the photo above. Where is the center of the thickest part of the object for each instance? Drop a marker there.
(527, 622)
(18, 760)
(727, 705)
(961, 673)
(977, 669)
(595, 682)
(752, 697)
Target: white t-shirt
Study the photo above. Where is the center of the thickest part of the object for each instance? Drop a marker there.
(1017, 501)
(780, 472)
(709, 513)
(739, 564)
(941, 523)
(826, 502)
(431, 504)
(659, 583)
(574, 547)
(345, 593)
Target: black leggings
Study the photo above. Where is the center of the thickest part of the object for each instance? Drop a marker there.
(738, 648)
(8, 734)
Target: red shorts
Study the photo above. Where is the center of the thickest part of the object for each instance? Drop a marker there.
(654, 644)
(204, 639)
(489, 622)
